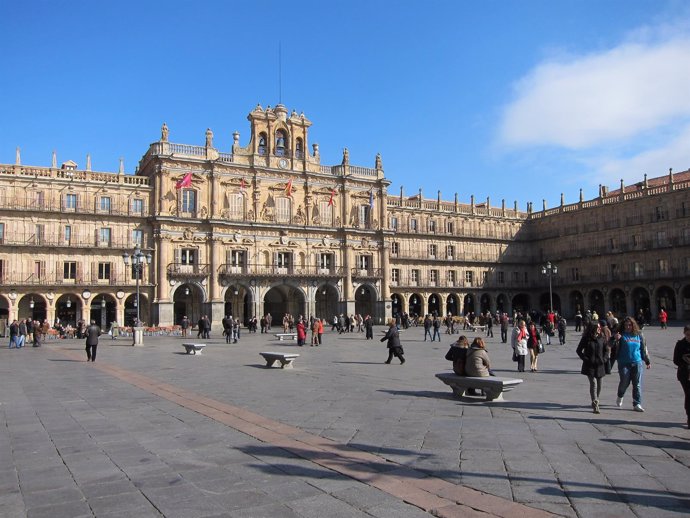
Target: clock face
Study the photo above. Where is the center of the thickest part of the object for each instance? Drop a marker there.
(283, 163)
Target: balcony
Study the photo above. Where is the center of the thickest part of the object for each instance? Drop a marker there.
(186, 272)
(59, 206)
(366, 273)
(53, 279)
(227, 271)
(88, 241)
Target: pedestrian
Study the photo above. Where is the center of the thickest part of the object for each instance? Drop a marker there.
(185, 326)
(663, 318)
(578, 320)
(36, 326)
(630, 350)
(369, 327)
(519, 344)
(504, 327)
(562, 326)
(22, 333)
(681, 358)
(534, 345)
(393, 338)
(114, 330)
(315, 332)
(458, 354)
(489, 324)
(227, 328)
(593, 352)
(321, 322)
(301, 332)
(427, 328)
(14, 335)
(92, 334)
(477, 363)
(436, 324)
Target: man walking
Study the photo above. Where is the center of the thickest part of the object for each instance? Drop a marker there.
(92, 334)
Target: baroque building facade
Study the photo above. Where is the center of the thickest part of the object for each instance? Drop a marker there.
(266, 228)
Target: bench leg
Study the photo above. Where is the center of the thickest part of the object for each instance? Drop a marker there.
(269, 363)
(197, 351)
(494, 395)
(287, 364)
(458, 391)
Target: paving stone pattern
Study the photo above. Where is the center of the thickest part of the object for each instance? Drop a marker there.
(151, 431)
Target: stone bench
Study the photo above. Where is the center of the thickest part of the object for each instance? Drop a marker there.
(492, 386)
(283, 336)
(193, 348)
(477, 327)
(285, 359)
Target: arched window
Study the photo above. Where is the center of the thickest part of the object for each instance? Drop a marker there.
(262, 143)
(281, 143)
(236, 206)
(299, 148)
(283, 210)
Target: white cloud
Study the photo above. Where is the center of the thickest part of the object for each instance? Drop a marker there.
(675, 153)
(602, 98)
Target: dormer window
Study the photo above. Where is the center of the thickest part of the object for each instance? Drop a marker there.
(281, 140)
(299, 148)
(262, 143)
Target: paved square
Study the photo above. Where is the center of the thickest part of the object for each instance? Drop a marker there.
(152, 431)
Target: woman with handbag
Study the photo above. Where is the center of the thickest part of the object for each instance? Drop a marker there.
(535, 346)
(519, 344)
(592, 350)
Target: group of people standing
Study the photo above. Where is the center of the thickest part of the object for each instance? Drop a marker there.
(26, 330)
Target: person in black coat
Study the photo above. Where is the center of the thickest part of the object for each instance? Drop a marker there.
(394, 347)
(369, 327)
(92, 334)
(681, 357)
(593, 353)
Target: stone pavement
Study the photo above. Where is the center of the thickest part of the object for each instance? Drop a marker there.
(151, 431)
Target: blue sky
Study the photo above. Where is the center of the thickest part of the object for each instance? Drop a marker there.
(516, 100)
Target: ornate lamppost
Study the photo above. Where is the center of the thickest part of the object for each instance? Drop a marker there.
(138, 260)
(550, 270)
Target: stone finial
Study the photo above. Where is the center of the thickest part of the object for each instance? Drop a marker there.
(488, 204)
(379, 164)
(122, 166)
(622, 186)
(601, 191)
(438, 196)
(582, 198)
(315, 148)
(54, 162)
(670, 175)
(401, 192)
(646, 184)
(18, 157)
(515, 207)
(88, 162)
(209, 137)
(503, 204)
(562, 200)
(236, 138)
(164, 132)
(543, 203)
(420, 194)
(346, 157)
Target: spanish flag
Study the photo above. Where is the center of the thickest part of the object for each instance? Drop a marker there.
(288, 189)
(185, 182)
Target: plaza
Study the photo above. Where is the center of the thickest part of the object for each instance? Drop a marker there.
(152, 431)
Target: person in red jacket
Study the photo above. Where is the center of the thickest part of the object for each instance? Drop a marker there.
(301, 332)
(663, 318)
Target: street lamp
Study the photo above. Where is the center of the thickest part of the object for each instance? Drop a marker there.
(138, 259)
(32, 305)
(550, 270)
(103, 315)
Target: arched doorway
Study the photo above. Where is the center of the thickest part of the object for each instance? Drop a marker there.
(33, 306)
(187, 301)
(452, 305)
(685, 302)
(502, 303)
(4, 315)
(577, 302)
(238, 303)
(666, 298)
(68, 309)
(365, 301)
(521, 303)
(397, 303)
(545, 302)
(415, 305)
(617, 303)
(434, 305)
(596, 302)
(640, 299)
(485, 303)
(327, 302)
(130, 310)
(104, 311)
(468, 304)
(283, 299)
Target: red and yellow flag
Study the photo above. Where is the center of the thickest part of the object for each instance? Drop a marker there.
(288, 189)
(185, 182)
(330, 200)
